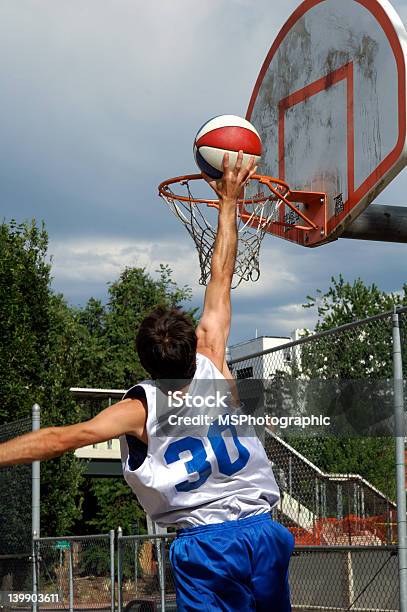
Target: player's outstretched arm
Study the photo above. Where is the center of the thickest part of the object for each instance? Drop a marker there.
(127, 416)
(214, 326)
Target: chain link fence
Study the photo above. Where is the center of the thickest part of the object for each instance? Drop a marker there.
(344, 578)
(345, 527)
(145, 577)
(328, 509)
(15, 517)
(352, 368)
(79, 570)
(322, 578)
(344, 520)
(358, 350)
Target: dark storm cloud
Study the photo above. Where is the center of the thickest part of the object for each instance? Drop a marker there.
(100, 102)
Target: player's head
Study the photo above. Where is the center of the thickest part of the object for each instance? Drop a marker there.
(166, 344)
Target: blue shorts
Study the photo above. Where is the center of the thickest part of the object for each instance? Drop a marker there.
(233, 566)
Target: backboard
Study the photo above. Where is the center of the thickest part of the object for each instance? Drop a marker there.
(330, 106)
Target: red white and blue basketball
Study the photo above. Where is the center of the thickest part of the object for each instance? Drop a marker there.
(225, 134)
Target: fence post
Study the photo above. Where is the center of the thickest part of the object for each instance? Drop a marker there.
(112, 572)
(160, 548)
(35, 506)
(135, 531)
(400, 461)
(349, 578)
(119, 569)
(70, 577)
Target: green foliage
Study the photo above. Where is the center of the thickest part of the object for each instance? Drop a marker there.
(371, 458)
(107, 355)
(15, 527)
(24, 317)
(48, 347)
(115, 505)
(358, 353)
(362, 354)
(344, 302)
(37, 360)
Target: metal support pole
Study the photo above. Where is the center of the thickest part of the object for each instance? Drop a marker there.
(112, 572)
(339, 502)
(135, 530)
(163, 573)
(119, 570)
(400, 461)
(61, 572)
(35, 507)
(71, 596)
(379, 222)
(136, 565)
(349, 577)
(324, 505)
(160, 551)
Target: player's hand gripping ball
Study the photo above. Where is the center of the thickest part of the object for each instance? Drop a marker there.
(225, 134)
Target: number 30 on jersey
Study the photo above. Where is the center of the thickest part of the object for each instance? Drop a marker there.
(198, 468)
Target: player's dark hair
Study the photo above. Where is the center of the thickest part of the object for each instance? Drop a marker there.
(166, 344)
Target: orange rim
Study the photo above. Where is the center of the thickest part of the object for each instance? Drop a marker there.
(165, 192)
(274, 184)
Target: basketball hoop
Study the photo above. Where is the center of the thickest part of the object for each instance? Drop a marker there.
(258, 211)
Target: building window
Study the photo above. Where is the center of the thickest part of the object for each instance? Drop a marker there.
(244, 373)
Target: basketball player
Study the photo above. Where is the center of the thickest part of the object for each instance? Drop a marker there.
(228, 555)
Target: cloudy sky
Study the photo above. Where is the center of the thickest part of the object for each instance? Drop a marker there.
(100, 102)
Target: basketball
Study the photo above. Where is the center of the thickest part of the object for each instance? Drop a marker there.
(225, 134)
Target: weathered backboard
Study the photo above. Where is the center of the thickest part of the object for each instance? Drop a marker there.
(330, 105)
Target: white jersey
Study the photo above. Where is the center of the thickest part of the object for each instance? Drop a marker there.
(190, 481)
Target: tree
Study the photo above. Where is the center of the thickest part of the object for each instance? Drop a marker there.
(24, 317)
(106, 357)
(345, 302)
(37, 360)
(60, 408)
(361, 352)
(48, 347)
(132, 297)
(115, 505)
(360, 361)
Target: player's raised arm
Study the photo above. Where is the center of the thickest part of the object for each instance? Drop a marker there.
(214, 326)
(127, 416)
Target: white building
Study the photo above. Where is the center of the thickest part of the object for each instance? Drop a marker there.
(248, 362)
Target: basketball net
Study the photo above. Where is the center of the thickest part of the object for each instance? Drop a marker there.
(256, 211)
